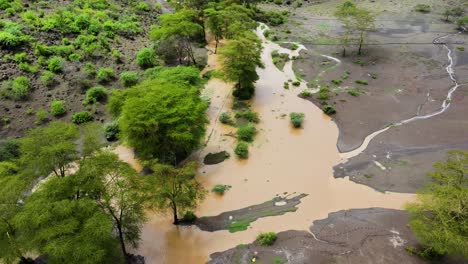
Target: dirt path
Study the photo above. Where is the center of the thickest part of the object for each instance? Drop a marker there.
(282, 160)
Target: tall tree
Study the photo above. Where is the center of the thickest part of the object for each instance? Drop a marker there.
(440, 217)
(50, 148)
(240, 58)
(180, 28)
(175, 189)
(357, 22)
(166, 122)
(116, 189)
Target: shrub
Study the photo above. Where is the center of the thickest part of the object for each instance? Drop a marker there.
(57, 107)
(354, 92)
(462, 23)
(20, 57)
(81, 117)
(294, 46)
(41, 116)
(24, 66)
(17, 89)
(189, 217)
(337, 82)
(74, 57)
(286, 85)
(105, 75)
(129, 78)
(55, 64)
(296, 83)
(242, 150)
(249, 115)
(146, 58)
(48, 78)
(112, 130)
(362, 82)
(423, 8)
(323, 96)
(246, 132)
(90, 69)
(9, 150)
(95, 94)
(266, 239)
(143, 6)
(220, 189)
(225, 118)
(305, 94)
(329, 110)
(296, 119)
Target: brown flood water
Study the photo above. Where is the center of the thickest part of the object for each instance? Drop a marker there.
(282, 159)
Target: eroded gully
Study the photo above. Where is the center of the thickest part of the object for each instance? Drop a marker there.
(282, 160)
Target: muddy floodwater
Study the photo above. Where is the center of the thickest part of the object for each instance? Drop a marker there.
(282, 160)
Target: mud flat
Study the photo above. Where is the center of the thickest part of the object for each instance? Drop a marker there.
(373, 235)
(281, 160)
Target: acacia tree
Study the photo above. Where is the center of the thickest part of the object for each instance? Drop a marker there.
(175, 189)
(440, 217)
(116, 189)
(240, 58)
(50, 148)
(357, 22)
(166, 121)
(179, 28)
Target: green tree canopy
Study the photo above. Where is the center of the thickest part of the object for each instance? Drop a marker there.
(440, 217)
(50, 148)
(240, 58)
(164, 121)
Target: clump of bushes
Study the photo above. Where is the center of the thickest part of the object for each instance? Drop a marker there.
(95, 94)
(81, 117)
(266, 239)
(423, 8)
(225, 118)
(146, 58)
(129, 78)
(246, 132)
(55, 64)
(296, 119)
(329, 110)
(248, 115)
(17, 89)
(242, 150)
(220, 189)
(57, 107)
(104, 75)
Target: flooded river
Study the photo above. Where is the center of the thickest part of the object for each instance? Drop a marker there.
(282, 160)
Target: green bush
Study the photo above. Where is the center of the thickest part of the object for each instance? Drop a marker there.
(242, 150)
(286, 85)
(423, 8)
(57, 107)
(305, 94)
(21, 57)
(41, 116)
(129, 78)
(95, 94)
(354, 92)
(296, 83)
(104, 75)
(246, 132)
(266, 239)
(249, 115)
(296, 119)
(461, 22)
(81, 117)
(337, 82)
(323, 96)
(220, 189)
(189, 217)
(143, 6)
(90, 69)
(74, 57)
(55, 64)
(112, 130)
(18, 88)
(146, 58)
(225, 118)
(329, 110)
(48, 78)
(362, 82)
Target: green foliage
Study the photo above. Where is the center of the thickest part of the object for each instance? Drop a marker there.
(21, 57)
(9, 150)
(323, 96)
(225, 118)
(156, 130)
(57, 107)
(90, 69)
(242, 150)
(49, 149)
(296, 119)
(146, 58)
(129, 78)
(220, 189)
(439, 218)
(423, 8)
(189, 217)
(112, 130)
(82, 117)
(461, 23)
(74, 57)
(305, 94)
(248, 115)
(18, 89)
(362, 82)
(329, 110)
(180, 75)
(354, 92)
(296, 83)
(175, 189)
(246, 132)
(241, 57)
(41, 116)
(11, 35)
(105, 75)
(143, 6)
(55, 64)
(95, 94)
(237, 226)
(48, 78)
(266, 239)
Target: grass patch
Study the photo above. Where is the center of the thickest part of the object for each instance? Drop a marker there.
(238, 226)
